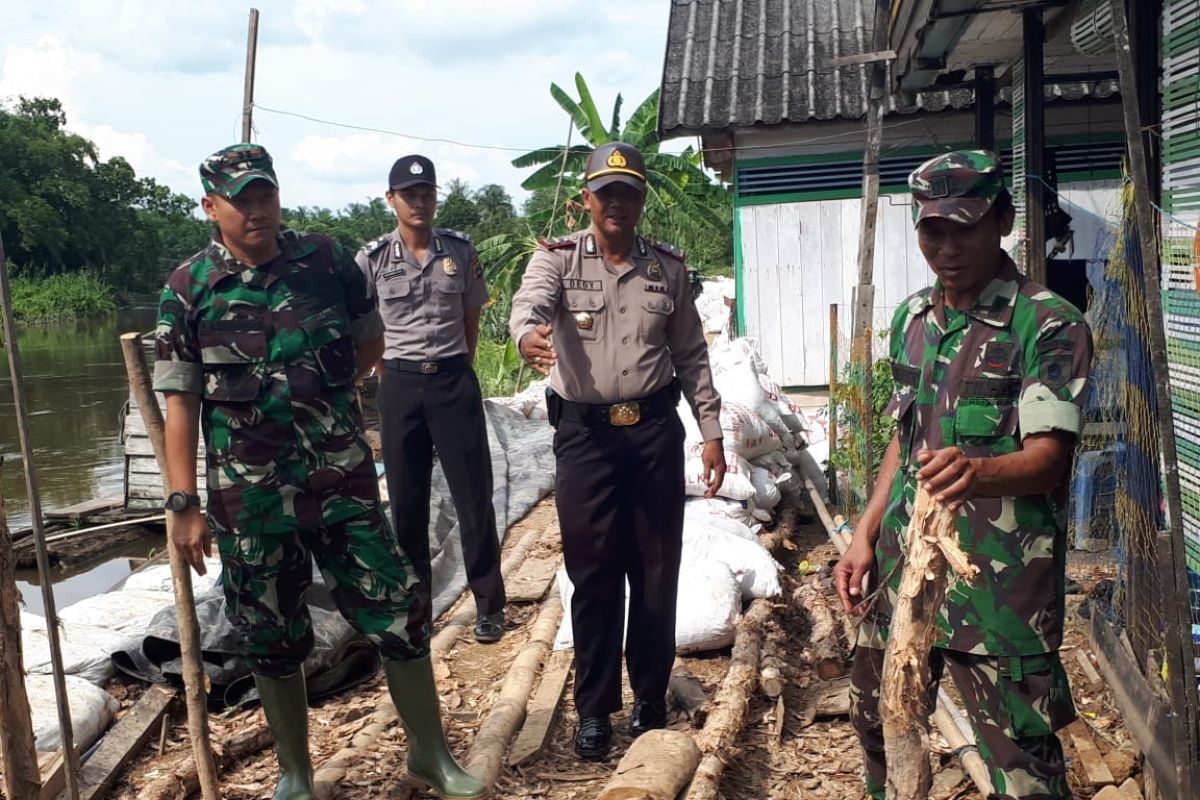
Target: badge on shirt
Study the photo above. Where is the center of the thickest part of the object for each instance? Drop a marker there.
(657, 288)
(997, 354)
(654, 272)
(585, 321)
(449, 267)
(1055, 371)
(579, 283)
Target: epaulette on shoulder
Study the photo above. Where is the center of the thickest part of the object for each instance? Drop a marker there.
(453, 234)
(374, 245)
(663, 247)
(561, 243)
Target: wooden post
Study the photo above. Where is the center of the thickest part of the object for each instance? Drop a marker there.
(1175, 603)
(39, 533)
(248, 93)
(985, 108)
(831, 476)
(194, 680)
(1035, 146)
(21, 776)
(904, 706)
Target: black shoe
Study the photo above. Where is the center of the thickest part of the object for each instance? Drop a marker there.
(593, 738)
(647, 716)
(489, 628)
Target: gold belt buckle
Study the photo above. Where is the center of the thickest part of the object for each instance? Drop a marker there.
(625, 414)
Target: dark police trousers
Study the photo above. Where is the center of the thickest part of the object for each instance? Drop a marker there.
(619, 492)
(419, 412)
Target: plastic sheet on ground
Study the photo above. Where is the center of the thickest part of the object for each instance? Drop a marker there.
(86, 649)
(523, 472)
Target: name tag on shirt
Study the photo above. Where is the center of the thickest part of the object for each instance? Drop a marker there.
(398, 272)
(578, 283)
(657, 288)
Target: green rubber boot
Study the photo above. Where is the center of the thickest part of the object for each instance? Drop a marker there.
(286, 703)
(431, 766)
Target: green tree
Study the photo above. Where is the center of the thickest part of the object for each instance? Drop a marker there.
(496, 211)
(457, 209)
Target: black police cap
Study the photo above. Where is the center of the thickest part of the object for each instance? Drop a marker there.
(410, 171)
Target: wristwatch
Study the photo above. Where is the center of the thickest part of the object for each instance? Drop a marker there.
(181, 501)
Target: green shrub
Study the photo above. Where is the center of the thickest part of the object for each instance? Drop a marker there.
(498, 365)
(68, 296)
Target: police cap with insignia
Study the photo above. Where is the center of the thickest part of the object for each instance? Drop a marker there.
(615, 162)
(411, 171)
(960, 186)
(231, 169)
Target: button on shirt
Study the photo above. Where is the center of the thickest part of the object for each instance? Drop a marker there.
(423, 303)
(621, 332)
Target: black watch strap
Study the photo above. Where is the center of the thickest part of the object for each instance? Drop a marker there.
(181, 501)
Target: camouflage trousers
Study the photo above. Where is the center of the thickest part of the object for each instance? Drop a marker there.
(267, 569)
(1014, 705)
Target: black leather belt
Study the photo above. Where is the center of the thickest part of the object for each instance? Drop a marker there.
(622, 415)
(452, 364)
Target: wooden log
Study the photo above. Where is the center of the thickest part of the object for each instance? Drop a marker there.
(655, 767)
(772, 676)
(194, 680)
(544, 709)
(486, 757)
(824, 650)
(728, 714)
(932, 549)
(1097, 772)
(180, 778)
(21, 776)
(54, 775)
(1085, 663)
(123, 743)
(532, 581)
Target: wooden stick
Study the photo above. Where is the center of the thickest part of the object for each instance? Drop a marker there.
(545, 707)
(824, 645)
(932, 547)
(486, 758)
(194, 679)
(125, 740)
(655, 767)
(67, 734)
(728, 715)
(21, 775)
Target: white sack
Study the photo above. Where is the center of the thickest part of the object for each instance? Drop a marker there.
(725, 523)
(766, 493)
(751, 564)
(86, 650)
(736, 485)
(739, 384)
(126, 612)
(92, 711)
(789, 412)
(158, 579)
(719, 506)
(708, 606)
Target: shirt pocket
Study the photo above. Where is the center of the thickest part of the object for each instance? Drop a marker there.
(233, 353)
(448, 293)
(587, 318)
(985, 424)
(658, 311)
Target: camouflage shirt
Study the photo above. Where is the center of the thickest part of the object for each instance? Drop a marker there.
(1015, 364)
(272, 349)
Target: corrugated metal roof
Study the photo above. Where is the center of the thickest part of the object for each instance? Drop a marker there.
(738, 63)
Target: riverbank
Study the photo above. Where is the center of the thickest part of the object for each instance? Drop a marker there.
(75, 295)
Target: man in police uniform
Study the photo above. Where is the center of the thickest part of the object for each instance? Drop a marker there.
(991, 371)
(431, 291)
(626, 340)
(260, 337)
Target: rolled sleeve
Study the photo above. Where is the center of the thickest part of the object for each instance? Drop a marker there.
(177, 366)
(1055, 385)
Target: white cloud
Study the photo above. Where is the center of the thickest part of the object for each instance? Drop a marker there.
(161, 83)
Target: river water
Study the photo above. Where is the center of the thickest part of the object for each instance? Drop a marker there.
(75, 388)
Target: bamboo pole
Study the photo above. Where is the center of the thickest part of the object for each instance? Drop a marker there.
(71, 765)
(248, 89)
(194, 679)
(21, 776)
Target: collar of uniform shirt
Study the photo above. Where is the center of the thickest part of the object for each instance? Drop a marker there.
(995, 303)
(400, 250)
(639, 251)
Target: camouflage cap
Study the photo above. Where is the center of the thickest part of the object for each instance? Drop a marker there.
(615, 162)
(960, 186)
(231, 169)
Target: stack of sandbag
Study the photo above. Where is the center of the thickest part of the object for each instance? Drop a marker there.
(714, 304)
(531, 403)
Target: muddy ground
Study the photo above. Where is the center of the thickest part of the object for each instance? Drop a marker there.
(793, 756)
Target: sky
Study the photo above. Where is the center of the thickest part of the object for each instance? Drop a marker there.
(160, 82)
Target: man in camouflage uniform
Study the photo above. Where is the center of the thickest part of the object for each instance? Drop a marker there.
(990, 374)
(260, 338)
